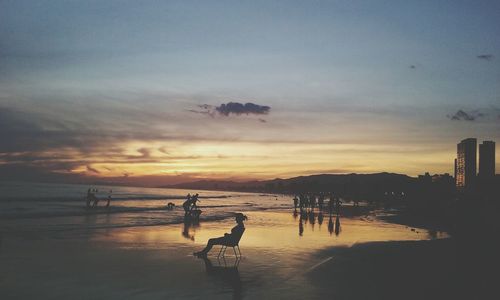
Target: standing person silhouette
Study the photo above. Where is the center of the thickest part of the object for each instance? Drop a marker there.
(187, 204)
(236, 232)
(89, 197)
(109, 199)
(194, 199)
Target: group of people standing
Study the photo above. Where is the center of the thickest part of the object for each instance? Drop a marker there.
(190, 204)
(307, 202)
(312, 200)
(93, 201)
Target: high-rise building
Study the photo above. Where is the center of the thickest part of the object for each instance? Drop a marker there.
(487, 160)
(466, 162)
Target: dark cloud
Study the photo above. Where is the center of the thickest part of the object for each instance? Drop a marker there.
(262, 120)
(146, 153)
(232, 108)
(461, 115)
(92, 170)
(487, 57)
(413, 67)
(240, 108)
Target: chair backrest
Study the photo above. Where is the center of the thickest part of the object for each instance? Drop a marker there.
(235, 238)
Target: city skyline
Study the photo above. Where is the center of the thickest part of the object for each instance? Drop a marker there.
(167, 92)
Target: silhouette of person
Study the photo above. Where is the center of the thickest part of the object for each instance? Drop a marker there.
(187, 204)
(321, 201)
(313, 201)
(301, 201)
(338, 205)
(89, 197)
(236, 232)
(295, 201)
(194, 199)
(96, 201)
(109, 198)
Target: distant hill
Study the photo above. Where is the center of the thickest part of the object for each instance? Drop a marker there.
(353, 185)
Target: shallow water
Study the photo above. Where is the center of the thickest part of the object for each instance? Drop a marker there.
(64, 208)
(147, 253)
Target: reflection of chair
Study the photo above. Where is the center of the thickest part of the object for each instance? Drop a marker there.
(233, 241)
(228, 273)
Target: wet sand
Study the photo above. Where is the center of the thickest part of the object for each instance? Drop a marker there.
(156, 262)
(435, 269)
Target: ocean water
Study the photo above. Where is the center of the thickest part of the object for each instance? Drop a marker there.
(65, 206)
(53, 247)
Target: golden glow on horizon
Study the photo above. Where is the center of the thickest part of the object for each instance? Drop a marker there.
(245, 160)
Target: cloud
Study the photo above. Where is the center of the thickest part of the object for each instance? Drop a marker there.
(487, 57)
(232, 108)
(461, 115)
(92, 170)
(163, 150)
(413, 67)
(239, 109)
(146, 153)
(210, 113)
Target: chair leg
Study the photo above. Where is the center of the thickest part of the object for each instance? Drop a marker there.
(235, 254)
(239, 249)
(221, 248)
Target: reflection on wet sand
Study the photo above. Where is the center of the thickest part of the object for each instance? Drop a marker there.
(190, 226)
(268, 230)
(310, 216)
(227, 272)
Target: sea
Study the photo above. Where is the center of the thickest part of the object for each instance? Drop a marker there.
(65, 205)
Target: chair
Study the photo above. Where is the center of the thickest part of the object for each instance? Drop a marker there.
(234, 243)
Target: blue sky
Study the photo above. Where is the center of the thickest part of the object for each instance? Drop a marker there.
(345, 73)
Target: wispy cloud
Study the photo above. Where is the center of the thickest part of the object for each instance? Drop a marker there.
(487, 57)
(93, 170)
(461, 115)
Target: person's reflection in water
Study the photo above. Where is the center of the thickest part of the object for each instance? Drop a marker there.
(295, 214)
(337, 225)
(227, 273)
(301, 227)
(303, 215)
(320, 218)
(190, 223)
(312, 218)
(330, 225)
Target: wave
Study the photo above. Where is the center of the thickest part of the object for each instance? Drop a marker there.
(113, 198)
(71, 211)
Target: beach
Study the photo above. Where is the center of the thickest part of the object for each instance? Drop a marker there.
(98, 256)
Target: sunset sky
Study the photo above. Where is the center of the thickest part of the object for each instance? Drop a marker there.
(133, 91)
